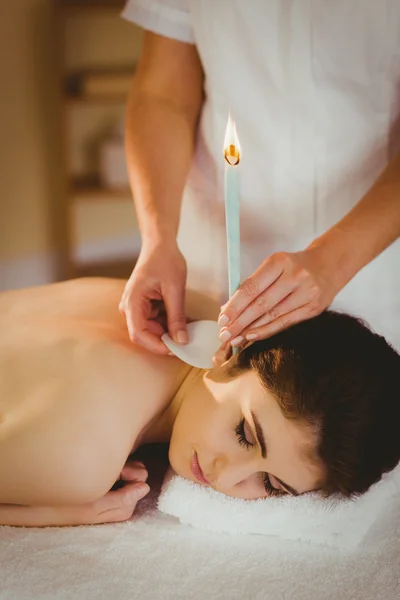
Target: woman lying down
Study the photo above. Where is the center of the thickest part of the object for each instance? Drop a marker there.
(313, 408)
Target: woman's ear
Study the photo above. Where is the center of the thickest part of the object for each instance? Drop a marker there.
(222, 355)
(223, 360)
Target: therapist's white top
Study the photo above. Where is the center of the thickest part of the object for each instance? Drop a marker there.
(314, 88)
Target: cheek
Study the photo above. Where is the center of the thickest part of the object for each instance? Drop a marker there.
(250, 489)
(189, 429)
(206, 425)
(192, 430)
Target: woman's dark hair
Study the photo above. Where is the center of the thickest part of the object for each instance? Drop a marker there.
(333, 373)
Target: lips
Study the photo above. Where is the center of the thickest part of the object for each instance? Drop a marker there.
(196, 470)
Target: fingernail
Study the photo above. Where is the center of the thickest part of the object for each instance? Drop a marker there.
(143, 490)
(224, 336)
(182, 337)
(251, 336)
(237, 340)
(171, 354)
(223, 321)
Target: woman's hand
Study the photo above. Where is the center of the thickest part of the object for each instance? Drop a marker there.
(286, 289)
(154, 297)
(117, 505)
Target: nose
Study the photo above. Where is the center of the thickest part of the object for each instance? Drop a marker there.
(229, 473)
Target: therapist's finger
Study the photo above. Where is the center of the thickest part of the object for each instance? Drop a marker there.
(174, 300)
(156, 328)
(250, 289)
(262, 305)
(138, 313)
(283, 322)
(296, 299)
(150, 341)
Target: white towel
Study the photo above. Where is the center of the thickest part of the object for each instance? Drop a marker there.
(331, 522)
(155, 557)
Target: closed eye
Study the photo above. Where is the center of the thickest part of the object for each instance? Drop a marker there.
(245, 438)
(244, 435)
(270, 489)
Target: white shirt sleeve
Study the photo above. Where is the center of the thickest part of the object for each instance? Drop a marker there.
(170, 18)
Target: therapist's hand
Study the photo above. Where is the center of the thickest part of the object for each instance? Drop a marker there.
(287, 288)
(154, 297)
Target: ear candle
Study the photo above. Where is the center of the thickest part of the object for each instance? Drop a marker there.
(232, 206)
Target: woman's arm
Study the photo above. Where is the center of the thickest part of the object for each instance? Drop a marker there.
(39, 516)
(117, 505)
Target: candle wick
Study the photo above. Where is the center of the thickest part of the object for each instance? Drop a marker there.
(232, 155)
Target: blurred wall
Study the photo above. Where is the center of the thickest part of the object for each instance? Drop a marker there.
(33, 232)
(31, 235)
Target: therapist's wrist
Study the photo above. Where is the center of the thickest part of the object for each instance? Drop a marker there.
(159, 240)
(158, 230)
(336, 258)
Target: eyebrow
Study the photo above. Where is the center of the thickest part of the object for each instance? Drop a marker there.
(261, 442)
(287, 487)
(259, 435)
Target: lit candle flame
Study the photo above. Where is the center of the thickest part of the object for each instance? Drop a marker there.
(231, 143)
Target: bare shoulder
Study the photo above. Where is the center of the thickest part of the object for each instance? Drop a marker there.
(91, 299)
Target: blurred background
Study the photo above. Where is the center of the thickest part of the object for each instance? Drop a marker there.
(65, 205)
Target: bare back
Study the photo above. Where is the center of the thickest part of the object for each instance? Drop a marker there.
(75, 393)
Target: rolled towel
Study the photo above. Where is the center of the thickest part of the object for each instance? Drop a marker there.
(332, 522)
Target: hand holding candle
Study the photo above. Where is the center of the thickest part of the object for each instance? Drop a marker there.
(285, 289)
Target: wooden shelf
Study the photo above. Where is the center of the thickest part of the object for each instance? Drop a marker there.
(97, 99)
(95, 85)
(91, 188)
(85, 26)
